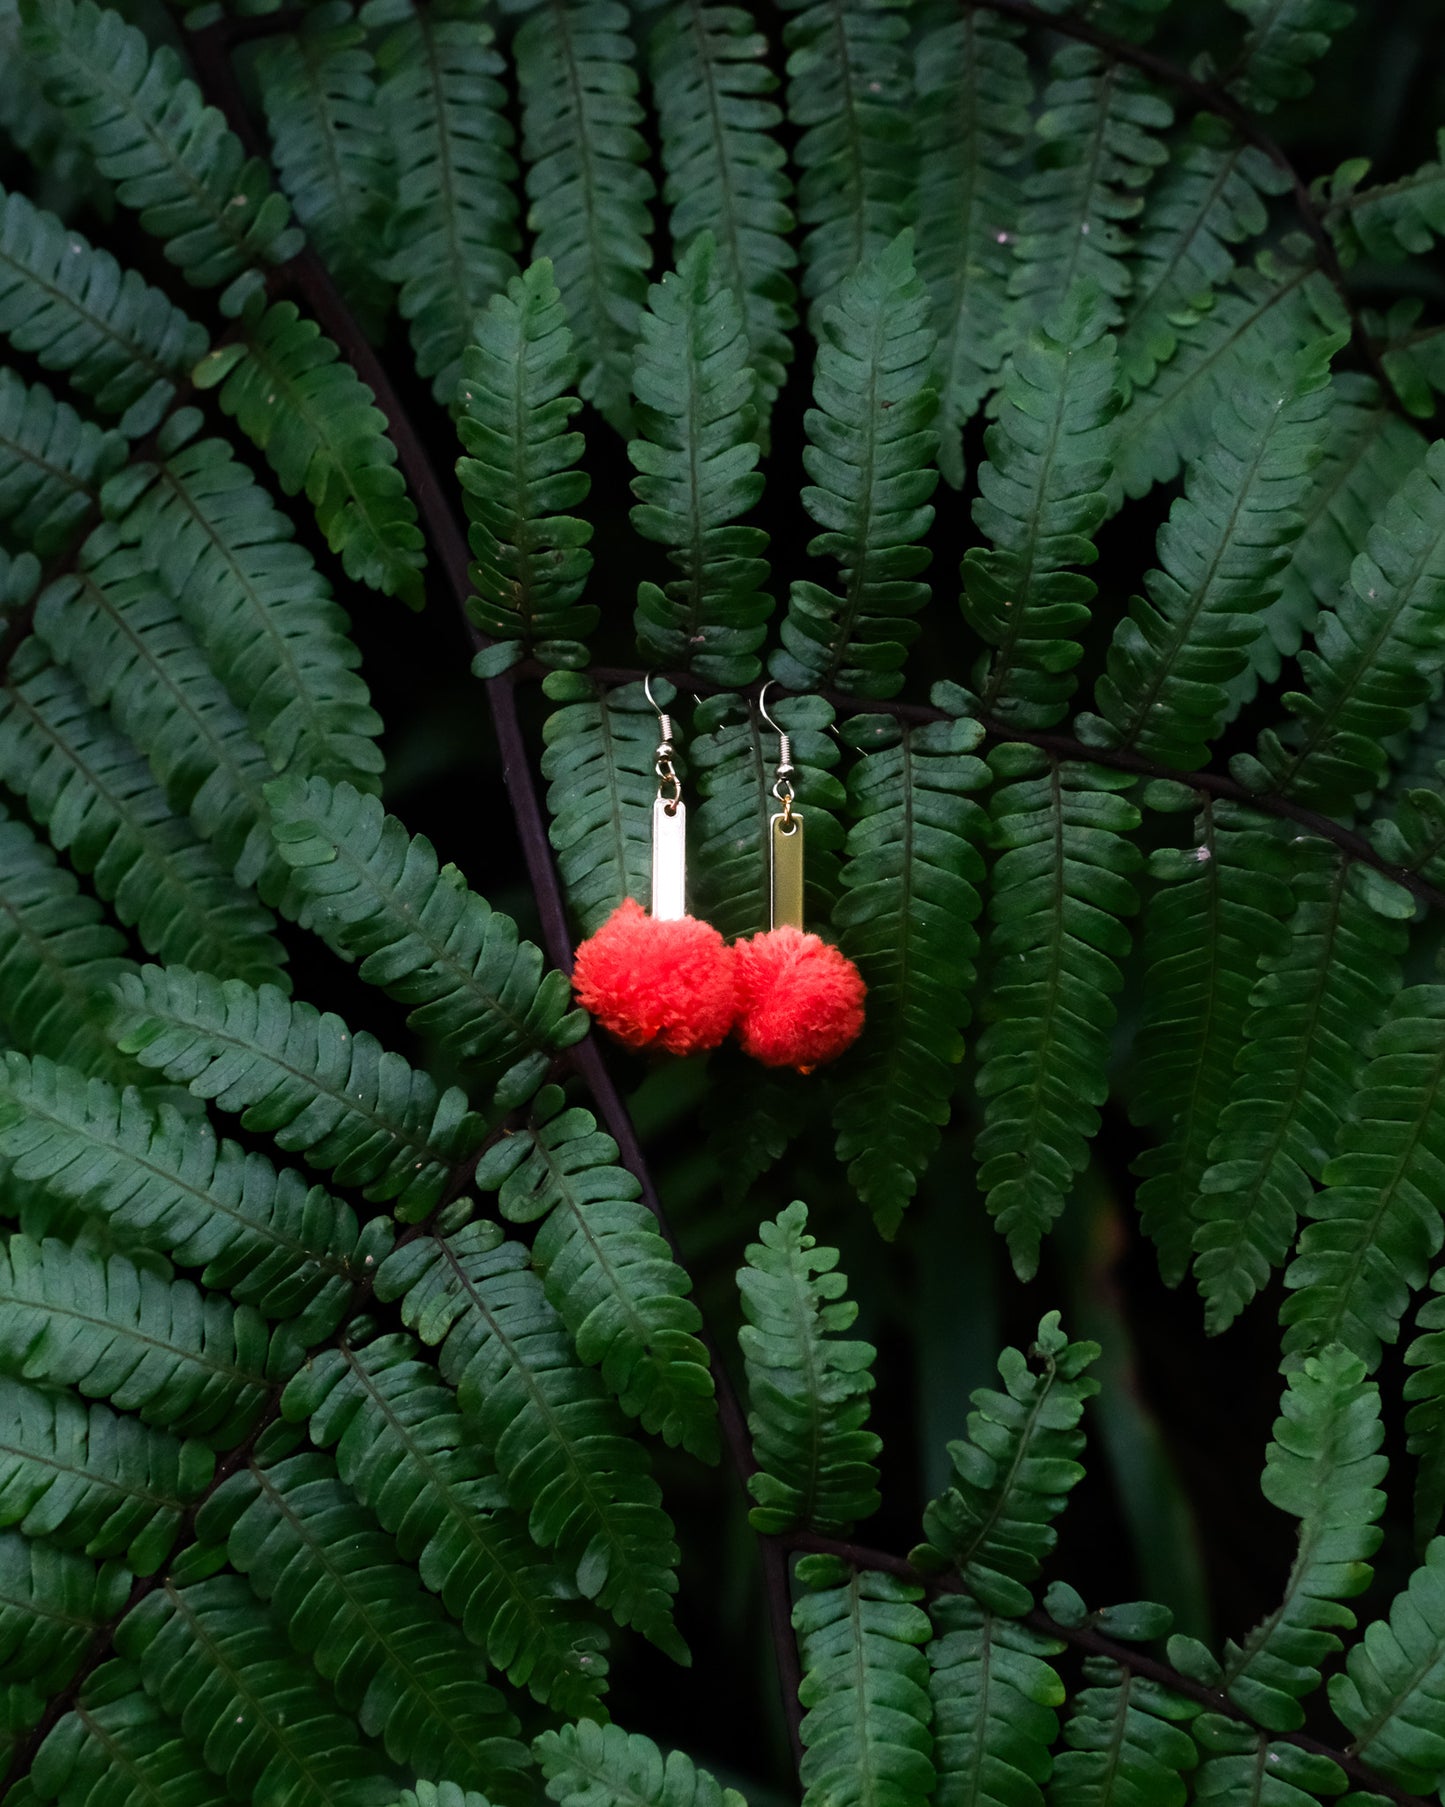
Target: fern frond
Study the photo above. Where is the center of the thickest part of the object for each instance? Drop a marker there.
(403, 1449)
(170, 156)
(848, 96)
(1012, 1477)
(1126, 1740)
(1218, 911)
(1061, 887)
(1425, 1421)
(558, 1439)
(289, 389)
(377, 894)
(808, 1387)
(1322, 1468)
(995, 1696)
(696, 459)
(1041, 496)
(51, 1601)
(1100, 145)
(261, 611)
(1312, 1013)
(86, 1479)
(1392, 1690)
(101, 805)
(587, 183)
(974, 92)
(870, 452)
(586, 1765)
(726, 170)
(1285, 37)
(1375, 1227)
(182, 1359)
(261, 1716)
(1209, 197)
(118, 340)
(319, 90)
(1223, 550)
(116, 1745)
(1377, 657)
(1241, 1768)
(1389, 222)
(910, 898)
(52, 465)
(300, 1075)
(530, 556)
(607, 1269)
(866, 1733)
(452, 238)
(333, 1579)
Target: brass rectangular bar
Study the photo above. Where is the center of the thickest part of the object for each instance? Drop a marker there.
(669, 860)
(787, 871)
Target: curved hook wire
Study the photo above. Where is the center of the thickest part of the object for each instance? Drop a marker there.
(763, 709)
(647, 692)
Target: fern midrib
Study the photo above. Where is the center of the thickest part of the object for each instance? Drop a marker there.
(1183, 242)
(856, 571)
(874, 1791)
(1321, 505)
(27, 455)
(701, 590)
(450, 213)
(611, 347)
(349, 205)
(612, 751)
(726, 230)
(564, 1199)
(1113, 1752)
(980, 1745)
(804, 1309)
(66, 301)
(1258, 1641)
(893, 1035)
(119, 1761)
(68, 977)
(856, 217)
(147, 1492)
(1003, 1487)
(1398, 1695)
(1062, 281)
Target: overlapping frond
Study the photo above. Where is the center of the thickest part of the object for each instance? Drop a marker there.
(695, 456)
(994, 1525)
(51, 1601)
(117, 1745)
(607, 1269)
(1425, 1421)
(995, 1696)
(52, 464)
(870, 451)
(1127, 1740)
(1240, 1764)
(1285, 37)
(586, 1764)
(808, 1386)
(1388, 222)
(518, 481)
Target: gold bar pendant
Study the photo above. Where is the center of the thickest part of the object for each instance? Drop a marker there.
(669, 860)
(787, 869)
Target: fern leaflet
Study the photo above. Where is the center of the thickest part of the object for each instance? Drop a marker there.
(586, 1764)
(995, 1696)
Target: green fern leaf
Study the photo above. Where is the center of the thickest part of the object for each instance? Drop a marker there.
(332, 1578)
(866, 1729)
(910, 897)
(994, 1700)
(403, 1449)
(725, 169)
(1375, 1227)
(1011, 1479)
(1243, 1769)
(849, 91)
(328, 145)
(261, 611)
(319, 1089)
(1217, 913)
(289, 389)
(440, 1794)
(52, 464)
(51, 1601)
(808, 1386)
(1390, 222)
(870, 449)
(1165, 691)
(1060, 889)
(587, 182)
(86, 1479)
(180, 1358)
(607, 1269)
(1377, 657)
(596, 1765)
(1099, 146)
(452, 237)
(1041, 498)
(65, 175)
(559, 1441)
(1209, 197)
(101, 805)
(1285, 37)
(696, 461)
(531, 558)
(117, 1746)
(1126, 1742)
(1425, 1421)
(974, 92)
(259, 1714)
(171, 157)
(119, 341)
(377, 894)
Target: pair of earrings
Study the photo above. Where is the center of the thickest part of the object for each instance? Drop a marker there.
(664, 979)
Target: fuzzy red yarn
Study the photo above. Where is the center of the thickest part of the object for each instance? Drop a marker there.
(800, 1000)
(658, 984)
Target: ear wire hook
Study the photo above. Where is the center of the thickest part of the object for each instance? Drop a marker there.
(783, 787)
(669, 784)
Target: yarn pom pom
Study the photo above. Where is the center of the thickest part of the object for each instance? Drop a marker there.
(800, 1000)
(658, 984)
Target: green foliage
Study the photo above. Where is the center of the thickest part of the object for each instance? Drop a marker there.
(52, 464)
(994, 1700)
(1125, 1741)
(1285, 37)
(587, 1764)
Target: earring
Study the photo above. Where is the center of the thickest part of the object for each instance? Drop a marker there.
(800, 999)
(664, 980)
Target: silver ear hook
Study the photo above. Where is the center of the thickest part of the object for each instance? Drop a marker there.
(783, 788)
(670, 787)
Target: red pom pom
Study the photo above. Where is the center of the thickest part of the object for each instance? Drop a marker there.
(800, 1000)
(658, 984)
